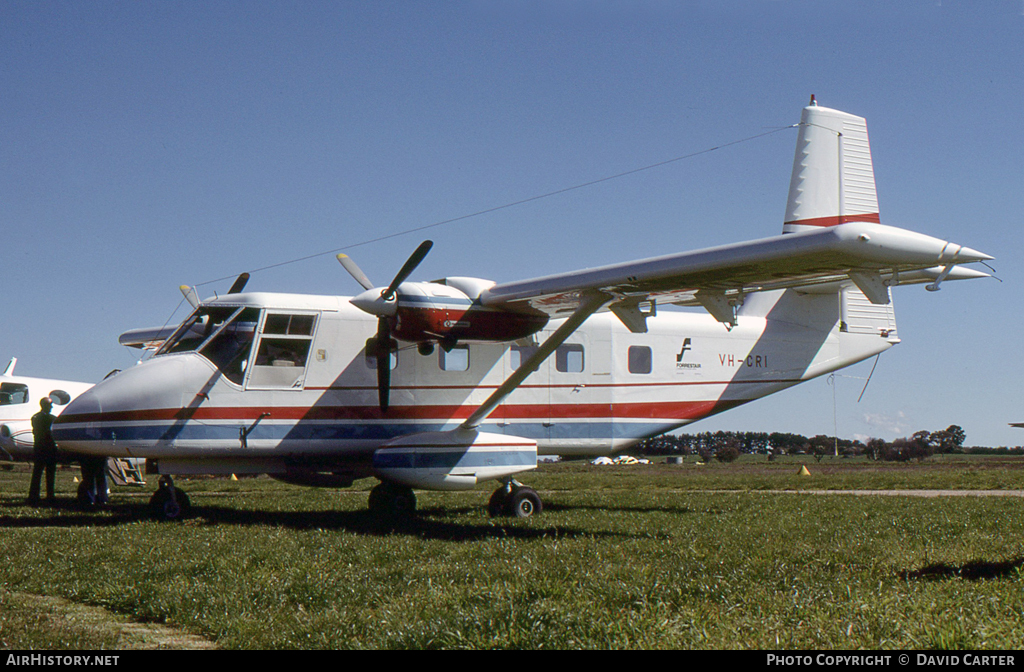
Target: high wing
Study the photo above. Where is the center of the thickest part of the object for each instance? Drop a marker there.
(832, 236)
(870, 255)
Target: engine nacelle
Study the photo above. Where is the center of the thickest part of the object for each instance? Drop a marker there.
(447, 311)
(454, 460)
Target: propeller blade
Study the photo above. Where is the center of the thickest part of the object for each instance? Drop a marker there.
(355, 271)
(239, 284)
(190, 295)
(407, 269)
(383, 364)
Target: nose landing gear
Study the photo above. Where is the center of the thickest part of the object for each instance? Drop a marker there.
(168, 502)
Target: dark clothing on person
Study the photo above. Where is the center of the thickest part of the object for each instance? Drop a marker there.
(44, 455)
(94, 480)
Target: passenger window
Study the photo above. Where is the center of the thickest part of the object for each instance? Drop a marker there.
(519, 354)
(456, 359)
(13, 393)
(569, 358)
(59, 397)
(640, 359)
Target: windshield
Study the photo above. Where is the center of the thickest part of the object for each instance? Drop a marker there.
(222, 335)
(196, 329)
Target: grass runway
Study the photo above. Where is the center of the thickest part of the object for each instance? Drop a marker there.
(661, 556)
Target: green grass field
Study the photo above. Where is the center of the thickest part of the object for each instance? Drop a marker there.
(714, 556)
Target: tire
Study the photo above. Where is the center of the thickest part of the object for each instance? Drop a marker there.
(498, 504)
(392, 500)
(165, 507)
(524, 503)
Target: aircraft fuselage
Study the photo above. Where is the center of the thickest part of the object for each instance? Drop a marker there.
(294, 384)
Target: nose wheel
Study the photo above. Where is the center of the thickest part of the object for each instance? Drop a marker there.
(514, 500)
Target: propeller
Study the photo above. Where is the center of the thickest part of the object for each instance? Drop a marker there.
(383, 305)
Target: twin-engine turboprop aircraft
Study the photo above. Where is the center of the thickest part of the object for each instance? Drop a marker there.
(441, 385)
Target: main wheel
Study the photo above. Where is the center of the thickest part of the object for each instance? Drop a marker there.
(392, 500)
(524, 502)
(498, 504)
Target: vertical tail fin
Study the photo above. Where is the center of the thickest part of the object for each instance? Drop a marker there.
(833, 180)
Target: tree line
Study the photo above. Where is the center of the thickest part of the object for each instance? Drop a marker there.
(727, 446)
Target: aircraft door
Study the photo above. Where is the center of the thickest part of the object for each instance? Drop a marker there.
(282, 352)
(568, 408)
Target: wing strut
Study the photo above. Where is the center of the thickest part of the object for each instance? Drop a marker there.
(589, 305)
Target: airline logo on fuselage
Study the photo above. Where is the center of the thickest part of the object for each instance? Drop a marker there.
(682, 366)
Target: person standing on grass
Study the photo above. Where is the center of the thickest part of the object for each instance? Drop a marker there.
(44, 453)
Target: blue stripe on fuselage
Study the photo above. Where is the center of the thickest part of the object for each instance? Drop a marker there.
(192, 431)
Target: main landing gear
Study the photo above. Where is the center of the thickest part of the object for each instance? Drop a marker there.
(512, 499)
(168, 502)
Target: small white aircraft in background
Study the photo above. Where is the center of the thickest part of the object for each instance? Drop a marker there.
(19, 401)
(441, 385)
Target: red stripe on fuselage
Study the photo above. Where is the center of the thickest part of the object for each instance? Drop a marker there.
(836, 220)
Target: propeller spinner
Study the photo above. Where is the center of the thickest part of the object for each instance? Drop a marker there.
(383, 304)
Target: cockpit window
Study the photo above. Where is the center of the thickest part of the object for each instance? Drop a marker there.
(229, 349)
(194, 331)
(13, 393)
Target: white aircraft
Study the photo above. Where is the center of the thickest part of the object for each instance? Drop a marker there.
(441, 385)
(19, 401)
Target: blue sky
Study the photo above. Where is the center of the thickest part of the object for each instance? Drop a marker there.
(152, 144)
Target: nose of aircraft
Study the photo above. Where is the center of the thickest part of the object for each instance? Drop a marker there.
(100, 420)
(78, 428)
